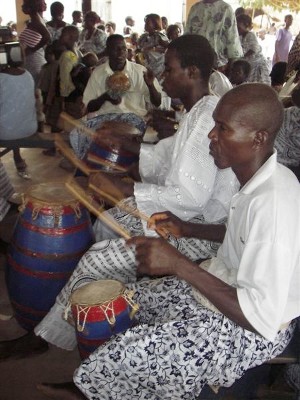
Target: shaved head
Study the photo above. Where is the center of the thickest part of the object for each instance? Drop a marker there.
(257, 106)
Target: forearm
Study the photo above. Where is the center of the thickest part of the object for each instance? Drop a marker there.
(219, 293)
(212, 232)
(96, 104)
(155, 96)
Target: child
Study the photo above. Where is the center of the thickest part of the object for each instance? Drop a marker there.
(252, 51)
(239, 72)
(278, 75)
(153, 44)
(82, 71)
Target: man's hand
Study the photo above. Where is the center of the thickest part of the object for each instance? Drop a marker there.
(163, 123)
(155, 256)
(110, 187)
(114, 100)
(166, 223)
(149, 77)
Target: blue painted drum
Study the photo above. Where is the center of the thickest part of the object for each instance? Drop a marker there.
(52, 233)
(100, 310)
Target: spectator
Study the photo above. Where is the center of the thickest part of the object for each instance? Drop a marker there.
(283, 41)
(173, 32)
(239, 72)
(215, 20)
(91, 38)
(77, 19)
(110, 28)
(56, 25)
(128, 28)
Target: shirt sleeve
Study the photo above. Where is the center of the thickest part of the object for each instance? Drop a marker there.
(233, 44)
(181, 173)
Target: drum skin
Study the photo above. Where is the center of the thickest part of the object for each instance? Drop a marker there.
(97, 323)
(47, 244)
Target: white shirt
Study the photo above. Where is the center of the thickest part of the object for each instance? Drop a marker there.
(135, 100)
(260, 254)
(219, 84)
(178, 173)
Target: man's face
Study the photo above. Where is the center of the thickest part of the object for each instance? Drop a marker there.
(175, 77)
(231, 141)
(288, 21)
(117, 54)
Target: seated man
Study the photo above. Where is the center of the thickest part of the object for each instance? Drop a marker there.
(144, 91)
(179, 175)
(208, 324)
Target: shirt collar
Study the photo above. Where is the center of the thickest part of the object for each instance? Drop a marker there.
(126, 69)
(264, 172)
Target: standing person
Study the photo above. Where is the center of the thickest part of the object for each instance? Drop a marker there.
(252, 51)
(164, 24)
(153, 44)
(293, 62)
(283, 41)
(110, 28)
(56, 25)
(209, 323)
(18, 117)
(77, 19)
(215, 20)
(128, 28)
(34, 37)
(91, 38)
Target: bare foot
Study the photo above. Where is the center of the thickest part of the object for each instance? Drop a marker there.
(26, 346)
(61, 391)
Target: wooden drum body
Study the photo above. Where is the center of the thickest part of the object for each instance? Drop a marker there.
(51, 235)
(100, 310)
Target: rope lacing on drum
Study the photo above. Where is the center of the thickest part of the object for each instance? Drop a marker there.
(83, 310)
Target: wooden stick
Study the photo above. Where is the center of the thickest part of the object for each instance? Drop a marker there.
(115, 201)
(78, 124)
(93, 207)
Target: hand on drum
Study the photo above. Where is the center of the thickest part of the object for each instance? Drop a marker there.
(112, 185)
(165, 224)
(116, 100)
(155, 257)
(164, 123)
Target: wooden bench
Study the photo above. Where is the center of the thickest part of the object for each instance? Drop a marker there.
(37, 140)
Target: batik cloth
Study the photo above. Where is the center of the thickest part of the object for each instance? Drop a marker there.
(287, 141)
(216, 21)
(259, 65)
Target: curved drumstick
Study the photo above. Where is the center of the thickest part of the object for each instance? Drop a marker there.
(93, 207)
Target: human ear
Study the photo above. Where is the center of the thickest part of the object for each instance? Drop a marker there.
(193, 72)
(260, 138)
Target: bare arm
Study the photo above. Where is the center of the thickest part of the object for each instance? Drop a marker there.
(155, 96)
(157, 257)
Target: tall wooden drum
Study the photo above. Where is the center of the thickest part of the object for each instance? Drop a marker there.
(52, 233)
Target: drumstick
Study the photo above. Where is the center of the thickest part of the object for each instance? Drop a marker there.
(78, 123)
(93, 207)
(68, 153)
(115, 201)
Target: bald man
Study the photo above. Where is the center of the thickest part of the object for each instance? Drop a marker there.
(208, 324)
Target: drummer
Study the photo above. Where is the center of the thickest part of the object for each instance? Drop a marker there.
(142, 93)
(208, 324)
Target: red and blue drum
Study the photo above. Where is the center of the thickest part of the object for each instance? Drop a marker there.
(100, 310)
(52, 233)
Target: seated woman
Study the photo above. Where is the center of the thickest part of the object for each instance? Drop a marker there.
(91, 38)
(252, 51)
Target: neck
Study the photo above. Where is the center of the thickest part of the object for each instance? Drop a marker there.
(194, 94)
(245, 173)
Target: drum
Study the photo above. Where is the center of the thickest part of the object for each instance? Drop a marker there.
(109, 159)
(52, 233)
(100, 310)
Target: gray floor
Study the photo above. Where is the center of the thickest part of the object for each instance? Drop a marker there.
(18, 378)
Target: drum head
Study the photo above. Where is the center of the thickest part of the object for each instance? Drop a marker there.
(51, 193)
(97, 292)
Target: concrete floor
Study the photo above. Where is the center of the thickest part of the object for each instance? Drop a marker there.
(18, 378)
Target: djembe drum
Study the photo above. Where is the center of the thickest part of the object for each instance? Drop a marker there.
(100, 310)
(52, 233)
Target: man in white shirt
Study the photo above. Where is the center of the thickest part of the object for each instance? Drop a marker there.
(208, 324)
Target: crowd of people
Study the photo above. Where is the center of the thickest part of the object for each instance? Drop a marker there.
(214, 262)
